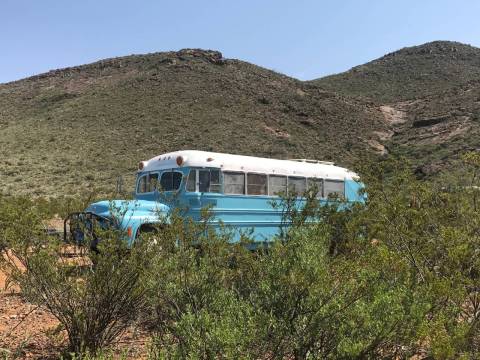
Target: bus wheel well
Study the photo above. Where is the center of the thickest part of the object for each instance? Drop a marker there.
(148, 228)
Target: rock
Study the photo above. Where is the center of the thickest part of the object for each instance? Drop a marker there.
(212, 56)
(307, 122)
(377, 146)
(430, 121)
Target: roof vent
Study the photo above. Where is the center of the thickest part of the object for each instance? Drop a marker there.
(311, 161)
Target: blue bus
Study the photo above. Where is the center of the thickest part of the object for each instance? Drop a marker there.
(237, 189)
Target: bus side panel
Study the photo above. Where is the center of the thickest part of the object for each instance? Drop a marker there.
(239, 213)
(353, 191)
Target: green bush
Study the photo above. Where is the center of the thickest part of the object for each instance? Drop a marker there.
(94, 297)
(394, 277)
(195, 310)
(293, 300)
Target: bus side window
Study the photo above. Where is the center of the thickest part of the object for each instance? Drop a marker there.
(234, 183)
(277, 185)
(297, 185)
(256, 184)
(334, 188)
(208, 181)
(203, 180)
(215, 183)
(192, 180)
(315, 184)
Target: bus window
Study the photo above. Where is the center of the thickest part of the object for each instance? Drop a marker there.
(233, 183)
(209, 181)
(152, 182)
(215, 184)
(277, 184)
(192, 181)
(170, 180)
(256, 184)
(334, 187)
(297, 185)
(142, 185)
(203, 180)
(315, 184)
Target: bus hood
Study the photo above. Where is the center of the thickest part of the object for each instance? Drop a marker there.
(130, 212)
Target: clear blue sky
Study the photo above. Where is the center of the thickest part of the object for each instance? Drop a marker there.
(300, 38)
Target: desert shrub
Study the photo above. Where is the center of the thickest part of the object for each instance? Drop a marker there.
(433, 232)
(195, 311)
(340, 304)
(393, 277)
(100, 355)
(94, 297)
(295, 299)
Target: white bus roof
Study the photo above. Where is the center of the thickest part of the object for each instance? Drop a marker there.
(229, 162)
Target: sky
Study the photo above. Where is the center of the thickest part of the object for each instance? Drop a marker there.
(305, 39)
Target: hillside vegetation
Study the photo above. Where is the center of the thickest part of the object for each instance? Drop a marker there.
(70, 129)
(430, 97)
(409, 73)
(79, 128)
(439, 127)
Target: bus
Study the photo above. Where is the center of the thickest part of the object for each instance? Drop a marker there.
(238, 190)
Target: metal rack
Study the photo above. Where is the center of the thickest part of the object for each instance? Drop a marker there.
(312, 161)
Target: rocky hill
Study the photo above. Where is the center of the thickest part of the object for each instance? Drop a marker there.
(409, 73)
(73, 129)
(430, 96)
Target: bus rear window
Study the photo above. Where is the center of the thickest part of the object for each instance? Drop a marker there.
(170, 181)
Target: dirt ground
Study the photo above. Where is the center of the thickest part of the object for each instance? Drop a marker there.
(30, 332)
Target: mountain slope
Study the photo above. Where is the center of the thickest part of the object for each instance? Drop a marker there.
(73, 129)
(430, 97)
(69, 130)
(409, 73)
(439, 127)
